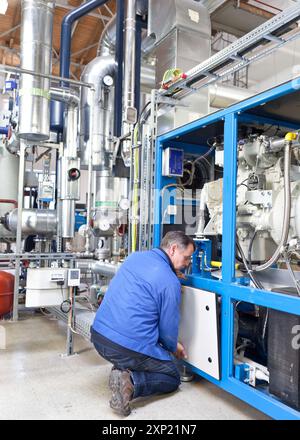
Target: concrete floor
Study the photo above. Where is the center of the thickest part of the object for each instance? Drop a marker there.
(38, 383)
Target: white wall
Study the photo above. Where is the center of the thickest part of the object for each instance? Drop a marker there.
(281, 66)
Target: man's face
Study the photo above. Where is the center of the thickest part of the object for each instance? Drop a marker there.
(181, 257)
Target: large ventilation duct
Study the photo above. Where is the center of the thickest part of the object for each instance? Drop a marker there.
(182, 32)
(36, 46)
(223, 96)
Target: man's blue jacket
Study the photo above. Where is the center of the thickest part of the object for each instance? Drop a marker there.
(140, 310)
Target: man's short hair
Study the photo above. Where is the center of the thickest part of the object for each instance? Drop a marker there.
(177, 237)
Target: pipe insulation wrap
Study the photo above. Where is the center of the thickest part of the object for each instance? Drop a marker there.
(33, 221)
(57, 108)
(36, 51)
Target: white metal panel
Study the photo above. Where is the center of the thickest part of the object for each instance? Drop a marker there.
(199, 330)
(45, 297)
(41, 288)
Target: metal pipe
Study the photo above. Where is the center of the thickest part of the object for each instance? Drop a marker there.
(138, 65)
(129, 110)
(112, 41)
(119, 58)
(65, 53)
(129, 113)
(90, 175)
(105, 269)
(8, 69)
(71, 132)
(36, 52)
(33, 221)
(224, 96)
(67, 222)
(96, 109)
(99, 267)
(65, 95)
(23, 147)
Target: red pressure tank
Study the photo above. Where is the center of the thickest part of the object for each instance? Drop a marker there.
(7, 281)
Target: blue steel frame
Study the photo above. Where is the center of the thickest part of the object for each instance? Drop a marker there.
(228, 288)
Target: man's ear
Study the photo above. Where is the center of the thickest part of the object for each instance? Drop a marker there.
(173, 249)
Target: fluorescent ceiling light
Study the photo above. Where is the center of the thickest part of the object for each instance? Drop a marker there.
(3, 6)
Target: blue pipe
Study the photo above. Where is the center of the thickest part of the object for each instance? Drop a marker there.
(4, 130)
(57, 108)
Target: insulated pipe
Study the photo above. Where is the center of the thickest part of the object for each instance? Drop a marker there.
(105, 269)
(129, 110)
(130, 60)
(36, 47)
(65, 95)
(68, 186)
(33, 221)
(71, 132)
(65, 54)
(119, 58)
(138, 63)
(224, 96)
(113, 31)
(96, 112)
(99, 267)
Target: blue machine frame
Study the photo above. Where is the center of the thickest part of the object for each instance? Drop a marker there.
(228, 288)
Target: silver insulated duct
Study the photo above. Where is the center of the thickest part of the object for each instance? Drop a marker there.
(99, 107)
(33, 221)
(36, 46)
(181, 30)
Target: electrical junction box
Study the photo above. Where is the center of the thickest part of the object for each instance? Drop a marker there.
(46, 287)
(73, 277)
(46, 191)
(10, 85)
(172, 162)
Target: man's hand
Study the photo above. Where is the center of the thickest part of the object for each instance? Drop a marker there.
(180, 351)
(180, 275)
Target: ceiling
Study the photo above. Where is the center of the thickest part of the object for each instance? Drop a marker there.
(234, 16)
(86, 34)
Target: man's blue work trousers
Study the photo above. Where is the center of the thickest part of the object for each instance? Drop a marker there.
(149, 375)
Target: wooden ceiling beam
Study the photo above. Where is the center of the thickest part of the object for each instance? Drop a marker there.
(16, 22)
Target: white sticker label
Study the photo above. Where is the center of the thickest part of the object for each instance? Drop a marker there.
(194, 15)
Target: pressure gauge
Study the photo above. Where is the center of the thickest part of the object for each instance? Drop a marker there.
(124, 204)
(104, 226)
(66, 306)
(108, 80)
